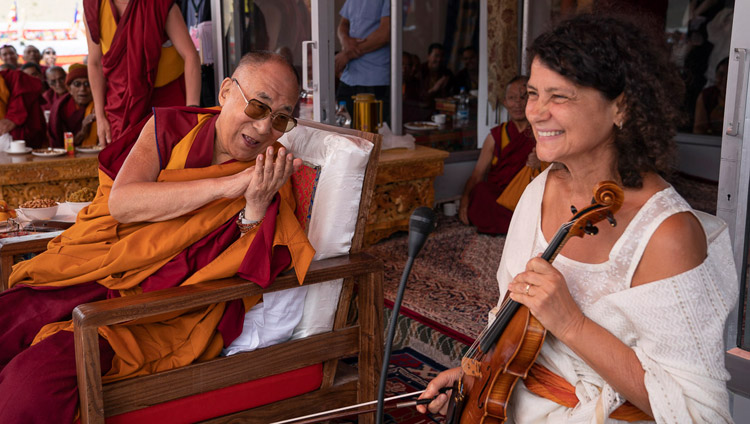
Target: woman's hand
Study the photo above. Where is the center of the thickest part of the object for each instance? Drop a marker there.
(440, 404)
(543, 289)
(266, 179)
(103, 131)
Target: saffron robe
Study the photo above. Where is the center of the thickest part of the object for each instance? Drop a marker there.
(20, 101)
(484, 211)
(66, 116)
(141, 68)
(125, 259)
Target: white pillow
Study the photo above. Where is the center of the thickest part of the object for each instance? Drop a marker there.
(343, 161)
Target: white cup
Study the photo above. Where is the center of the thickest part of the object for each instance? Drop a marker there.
(439, 118)
(449, 209)
(18, 146)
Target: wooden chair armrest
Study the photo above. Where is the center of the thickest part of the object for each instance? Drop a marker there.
(89, 317)
(118, 310)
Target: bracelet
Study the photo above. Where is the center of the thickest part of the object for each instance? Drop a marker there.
(244, 225)
(192, 106)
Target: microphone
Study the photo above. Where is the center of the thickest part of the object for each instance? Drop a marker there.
(421, 224)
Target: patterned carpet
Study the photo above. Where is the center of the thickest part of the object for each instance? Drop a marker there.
(452, 285)
(408, 371)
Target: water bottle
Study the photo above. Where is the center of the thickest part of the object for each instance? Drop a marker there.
(462, 110)
(343, 118)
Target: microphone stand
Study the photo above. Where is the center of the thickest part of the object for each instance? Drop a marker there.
(421, 224)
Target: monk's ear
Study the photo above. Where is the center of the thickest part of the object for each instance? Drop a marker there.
(224, 89)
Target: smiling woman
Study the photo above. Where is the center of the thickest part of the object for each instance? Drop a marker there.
(603, 104)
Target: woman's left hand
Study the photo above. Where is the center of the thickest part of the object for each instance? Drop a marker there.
(543, 289)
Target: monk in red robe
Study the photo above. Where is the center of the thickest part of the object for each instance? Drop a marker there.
(199, 195)
(140, 56)
(20, 108)
(74, 112)
(504, 153)
(55, 76)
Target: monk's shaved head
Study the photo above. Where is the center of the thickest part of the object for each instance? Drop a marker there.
(257, 58)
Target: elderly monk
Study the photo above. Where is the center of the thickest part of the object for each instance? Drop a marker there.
(55, 76)
(199, 195)
(74, 112)
(140, 56)
(20, 111)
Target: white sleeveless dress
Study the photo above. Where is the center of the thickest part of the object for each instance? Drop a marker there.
(675, 325)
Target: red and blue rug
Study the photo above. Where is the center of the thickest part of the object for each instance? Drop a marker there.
(408, 371)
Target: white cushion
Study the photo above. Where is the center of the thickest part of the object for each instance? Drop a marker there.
(343, 160)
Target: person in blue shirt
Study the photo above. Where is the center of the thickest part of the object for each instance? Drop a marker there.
(364, 62)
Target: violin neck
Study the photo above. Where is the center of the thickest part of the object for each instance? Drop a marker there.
(510, 306)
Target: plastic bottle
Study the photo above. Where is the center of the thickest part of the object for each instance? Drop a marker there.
(462, 109)
(343, 118)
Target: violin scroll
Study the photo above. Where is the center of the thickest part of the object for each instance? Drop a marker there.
(608, 198)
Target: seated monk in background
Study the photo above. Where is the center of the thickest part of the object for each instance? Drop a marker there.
(505, 151)
(180, 205)
(74, 112)
(20, 108)
(56, 81)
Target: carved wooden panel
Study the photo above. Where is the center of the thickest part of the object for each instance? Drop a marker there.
(404, 182)
(52, 179)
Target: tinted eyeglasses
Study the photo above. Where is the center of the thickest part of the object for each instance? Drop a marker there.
(255, 109)
(48, 52)
(79, 84)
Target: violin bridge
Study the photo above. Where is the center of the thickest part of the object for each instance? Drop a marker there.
(471, 367)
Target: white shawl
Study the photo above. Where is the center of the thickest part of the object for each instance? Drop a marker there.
(675, 326)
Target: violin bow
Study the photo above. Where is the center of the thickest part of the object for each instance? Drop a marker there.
(353, 409)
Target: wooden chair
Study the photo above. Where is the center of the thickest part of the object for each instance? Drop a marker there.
(338, 388)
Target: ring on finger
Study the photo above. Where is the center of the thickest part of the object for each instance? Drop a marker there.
(528, 286)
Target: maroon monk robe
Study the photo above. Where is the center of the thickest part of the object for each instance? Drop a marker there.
(49, 98)
(131, 62)
(45, 372)
(64, 117)
(483, 211)
(24, 107)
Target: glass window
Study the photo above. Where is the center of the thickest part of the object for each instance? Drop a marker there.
(276, 25)
(441, 72)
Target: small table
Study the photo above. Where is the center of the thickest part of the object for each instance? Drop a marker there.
(405, 181)
(25, 177)
(447, 137)
(10, 247)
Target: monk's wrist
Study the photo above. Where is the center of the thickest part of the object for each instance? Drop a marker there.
(252, 213)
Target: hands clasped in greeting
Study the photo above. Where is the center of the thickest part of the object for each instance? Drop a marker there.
(263, 180)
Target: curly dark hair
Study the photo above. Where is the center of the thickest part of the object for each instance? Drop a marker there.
(615, 56)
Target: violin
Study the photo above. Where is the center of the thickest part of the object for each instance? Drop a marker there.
(482, 394)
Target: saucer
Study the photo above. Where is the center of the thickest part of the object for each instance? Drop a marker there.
(26, 151)
(48, 152)
(90, 149)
